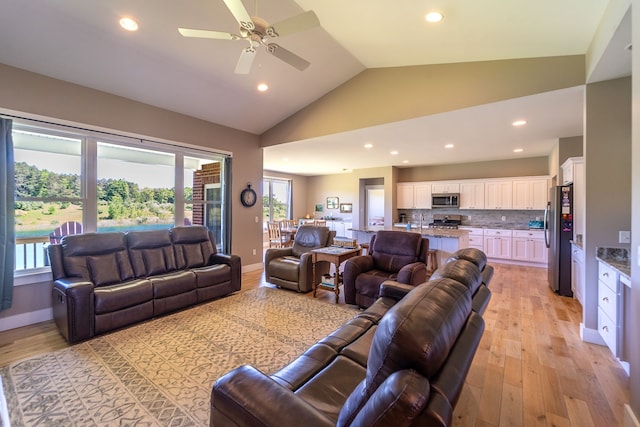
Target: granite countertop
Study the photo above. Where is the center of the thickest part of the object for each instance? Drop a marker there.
(617, 258)
(433, 232)
(501, 225)
(576, 243)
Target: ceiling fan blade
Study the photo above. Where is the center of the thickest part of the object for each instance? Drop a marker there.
(245, 61)
(287, 56)
(301, 22)
(206, 34)
(239, 12)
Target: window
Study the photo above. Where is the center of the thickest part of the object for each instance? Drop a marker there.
(276, 196)
(71, 181)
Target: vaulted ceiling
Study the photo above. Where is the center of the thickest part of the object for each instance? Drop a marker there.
(81, 42)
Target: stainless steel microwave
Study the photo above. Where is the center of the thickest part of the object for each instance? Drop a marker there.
(447, 200)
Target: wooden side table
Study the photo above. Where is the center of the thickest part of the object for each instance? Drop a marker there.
(335, 255)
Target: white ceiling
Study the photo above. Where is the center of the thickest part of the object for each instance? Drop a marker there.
(80, 41)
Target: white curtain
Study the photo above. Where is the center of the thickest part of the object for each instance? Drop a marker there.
(7, 231)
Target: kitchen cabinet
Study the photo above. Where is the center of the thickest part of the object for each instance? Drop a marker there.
(498, 194)
(609, 307)
(529, 245)
(497, 243)
(342, 228)
(445, 187)
(530, 194)
(413, 195)
(472, 195)
(476, 237)
(577, 273)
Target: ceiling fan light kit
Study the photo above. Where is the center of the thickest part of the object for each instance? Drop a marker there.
(258, 32)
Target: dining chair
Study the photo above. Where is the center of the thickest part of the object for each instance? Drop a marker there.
(276, 238)
(320, 222)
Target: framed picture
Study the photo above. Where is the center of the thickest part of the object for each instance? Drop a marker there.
(332, 203)
(319, 207)
(346, 207)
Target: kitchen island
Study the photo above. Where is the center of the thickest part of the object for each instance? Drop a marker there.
(445, 241)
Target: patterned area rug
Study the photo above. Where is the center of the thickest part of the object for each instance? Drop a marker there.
(160, 373)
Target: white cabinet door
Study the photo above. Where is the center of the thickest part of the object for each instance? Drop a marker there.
(529, 245)
(339, 227)
(497, 247)
(347, 230)
(405, 196)
(413, 195)
(472, 195)
(422, 195)
(530, 194)
(445, 187)
(498, 194)
(577, 273)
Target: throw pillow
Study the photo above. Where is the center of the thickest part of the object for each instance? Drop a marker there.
(103, 269)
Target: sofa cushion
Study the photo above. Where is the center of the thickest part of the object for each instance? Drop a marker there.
(76, 248)
(174, 283)
(193, 246)
(151, 252)
(117, 297)
(212, 275)
(103, 269)
(154, 262)
(391, 250)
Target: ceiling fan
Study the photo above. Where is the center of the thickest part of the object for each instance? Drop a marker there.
(258, 32)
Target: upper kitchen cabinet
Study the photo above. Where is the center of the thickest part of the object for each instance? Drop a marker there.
(569, 168)
(530, 193)
(498, 194)
(414, 195)
(573, 173)
(472, 195)
(445, 187)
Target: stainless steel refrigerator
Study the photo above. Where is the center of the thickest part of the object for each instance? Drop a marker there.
(558, 218)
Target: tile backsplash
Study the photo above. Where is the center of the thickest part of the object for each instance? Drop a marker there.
(476, 217)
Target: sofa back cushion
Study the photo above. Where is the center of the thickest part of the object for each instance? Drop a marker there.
(98, 257)
(473, 255)
(416, 334)
(151, 252)
(193, 246)
(309, 237)
(462, 271)
(392, 250)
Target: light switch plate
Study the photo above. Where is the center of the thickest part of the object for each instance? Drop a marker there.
(624, 237)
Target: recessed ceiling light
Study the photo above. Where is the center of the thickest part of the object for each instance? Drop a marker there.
(263, 87)
(434, 17)
(518, 150)
(519, 123)
(128, 24)
(448, 146)
(368, 145)
(394, 153)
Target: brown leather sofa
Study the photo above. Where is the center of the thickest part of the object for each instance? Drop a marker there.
(393, 255)
(104, 281)
(291, 268)
(402, 361)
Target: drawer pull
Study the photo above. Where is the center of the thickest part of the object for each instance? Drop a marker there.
(605, 274)
(605, 328)
(605, 299)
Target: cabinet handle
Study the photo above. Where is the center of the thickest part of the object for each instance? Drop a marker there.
(605, 299)
(605, 274)
(605, 328)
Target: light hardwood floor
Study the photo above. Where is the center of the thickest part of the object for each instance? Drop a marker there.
(531, 368)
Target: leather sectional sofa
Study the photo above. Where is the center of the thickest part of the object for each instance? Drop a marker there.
(104, 281)
(401, 362)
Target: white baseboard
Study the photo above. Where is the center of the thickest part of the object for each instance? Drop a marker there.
(591, 335)
(251, 267)
(630, 419)
(24, 319)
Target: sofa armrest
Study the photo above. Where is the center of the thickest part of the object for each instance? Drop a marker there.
(395, 290)
(73, 308)
(232, 261)
(352, 268)
(413, 274)
(272, 254)
(248, 397)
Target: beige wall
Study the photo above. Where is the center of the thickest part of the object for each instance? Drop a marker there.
(402, 93)
(607, 178)
(531, 166)
(28, 94)
(634, 297)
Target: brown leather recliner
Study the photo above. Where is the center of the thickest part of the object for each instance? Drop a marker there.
(412, 374)
(291, 267)
(393, 255)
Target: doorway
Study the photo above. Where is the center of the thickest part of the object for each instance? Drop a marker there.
(374, 214)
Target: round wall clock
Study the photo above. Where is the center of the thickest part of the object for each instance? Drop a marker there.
(248, 196)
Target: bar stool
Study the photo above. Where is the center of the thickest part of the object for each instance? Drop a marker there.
(433, 260)
(365, 247)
